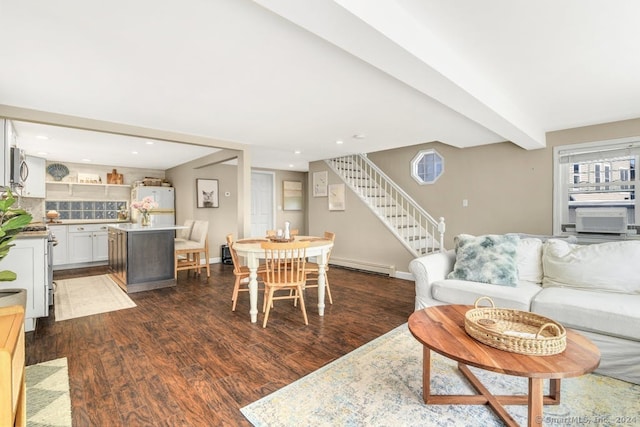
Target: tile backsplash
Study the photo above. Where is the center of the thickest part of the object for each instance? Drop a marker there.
(87, 209)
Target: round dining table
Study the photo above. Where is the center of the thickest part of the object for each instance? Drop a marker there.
(251, 250)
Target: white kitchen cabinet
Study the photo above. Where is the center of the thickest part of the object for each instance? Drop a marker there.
(88, 243)
(7, 139)
(61, 250)
(101, 244)
(35, 186)
(28, 259)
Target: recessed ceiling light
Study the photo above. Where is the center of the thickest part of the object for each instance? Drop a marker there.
(42, 153)
(339, 142)
(86, 160)
(42, 137)
(297, 152)
(134, 152)
(290, 166)
(149, 143)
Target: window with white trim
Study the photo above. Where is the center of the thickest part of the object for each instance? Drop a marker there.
(601, 174)
(427, 166)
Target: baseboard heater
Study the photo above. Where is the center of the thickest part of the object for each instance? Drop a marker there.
(388, 270)
(601, 220)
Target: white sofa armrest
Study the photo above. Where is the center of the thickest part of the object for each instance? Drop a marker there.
(427, 270)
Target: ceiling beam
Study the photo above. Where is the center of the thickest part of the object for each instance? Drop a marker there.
(386, 36)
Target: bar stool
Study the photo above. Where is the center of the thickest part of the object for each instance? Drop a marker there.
(188, 252)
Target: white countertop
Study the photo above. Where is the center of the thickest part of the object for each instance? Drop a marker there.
(130, 227)
(86, 221)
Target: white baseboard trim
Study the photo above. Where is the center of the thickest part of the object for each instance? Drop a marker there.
(404, 275)
(389, 270)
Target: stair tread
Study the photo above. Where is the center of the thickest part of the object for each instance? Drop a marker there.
(409, 226)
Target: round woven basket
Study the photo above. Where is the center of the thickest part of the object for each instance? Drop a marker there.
(514, 330)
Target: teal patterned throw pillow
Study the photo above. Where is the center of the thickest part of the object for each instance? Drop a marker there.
(487, 259)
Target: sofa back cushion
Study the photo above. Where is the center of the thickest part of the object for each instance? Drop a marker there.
(530, 260)
(610, 266)
(487, 259)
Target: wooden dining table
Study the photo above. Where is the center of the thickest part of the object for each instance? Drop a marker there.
(250, 248)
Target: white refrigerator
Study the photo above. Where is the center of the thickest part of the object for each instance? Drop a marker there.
(165, 213)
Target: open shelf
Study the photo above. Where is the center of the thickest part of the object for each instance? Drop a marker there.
(72, 185)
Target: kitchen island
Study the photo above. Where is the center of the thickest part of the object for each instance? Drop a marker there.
(142, 258)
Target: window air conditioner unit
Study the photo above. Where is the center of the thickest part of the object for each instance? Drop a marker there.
(601, 220)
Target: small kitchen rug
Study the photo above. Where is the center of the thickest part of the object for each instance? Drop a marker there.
(48, 400)
(89, 295)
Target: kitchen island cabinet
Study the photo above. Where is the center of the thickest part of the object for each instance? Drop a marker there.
(142, 258)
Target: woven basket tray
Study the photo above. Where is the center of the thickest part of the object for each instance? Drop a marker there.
(514, 330)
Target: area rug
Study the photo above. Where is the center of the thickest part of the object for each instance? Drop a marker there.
(89, 295)
(48, 401)
(380, 384)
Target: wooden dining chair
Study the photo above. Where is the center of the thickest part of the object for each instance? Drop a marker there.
(285, 264)
(241, 273)
(312, 269)
(188, 254)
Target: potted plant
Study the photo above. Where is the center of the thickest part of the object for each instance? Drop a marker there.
(12, 221)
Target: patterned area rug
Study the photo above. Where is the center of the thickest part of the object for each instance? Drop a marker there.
(48, 401)
(85, 296)
(380, 384)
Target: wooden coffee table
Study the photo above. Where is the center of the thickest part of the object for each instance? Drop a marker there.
(441, 329)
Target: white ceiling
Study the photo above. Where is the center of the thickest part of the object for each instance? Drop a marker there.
(289, 75)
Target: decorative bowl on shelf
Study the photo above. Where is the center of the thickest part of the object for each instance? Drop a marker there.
(52, 215)
(57, 171)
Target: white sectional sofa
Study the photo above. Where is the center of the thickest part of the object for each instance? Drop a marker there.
(594, 289)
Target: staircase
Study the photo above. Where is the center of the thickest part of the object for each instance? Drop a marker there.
(412, 225)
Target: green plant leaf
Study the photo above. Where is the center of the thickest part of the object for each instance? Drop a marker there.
(7, 276)
(16, 222)
(12, 221)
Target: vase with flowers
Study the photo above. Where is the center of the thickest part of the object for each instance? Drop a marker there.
(145, 206)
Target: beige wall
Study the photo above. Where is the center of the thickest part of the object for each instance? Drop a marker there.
(298, 219)
(508, 189)
(224, 219)
(361, 239)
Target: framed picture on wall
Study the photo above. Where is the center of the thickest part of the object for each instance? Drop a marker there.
(320, 181)
(336, 197)
(207, 193)
(292, 195)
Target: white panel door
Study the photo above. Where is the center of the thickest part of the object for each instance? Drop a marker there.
(262, 203)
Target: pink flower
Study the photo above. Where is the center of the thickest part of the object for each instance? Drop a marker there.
(145, 205)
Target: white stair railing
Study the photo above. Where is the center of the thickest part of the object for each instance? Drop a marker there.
(418, 231)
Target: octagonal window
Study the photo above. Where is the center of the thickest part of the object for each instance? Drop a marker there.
(427, 166)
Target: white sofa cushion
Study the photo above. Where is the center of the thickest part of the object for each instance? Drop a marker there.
(610, 266)
(530, 260)
(490, 258)
(606, 313)
(453, 291)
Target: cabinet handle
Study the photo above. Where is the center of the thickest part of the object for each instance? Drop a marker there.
(80, 228)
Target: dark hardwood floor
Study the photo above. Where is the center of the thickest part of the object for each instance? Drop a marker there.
(182, 357)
